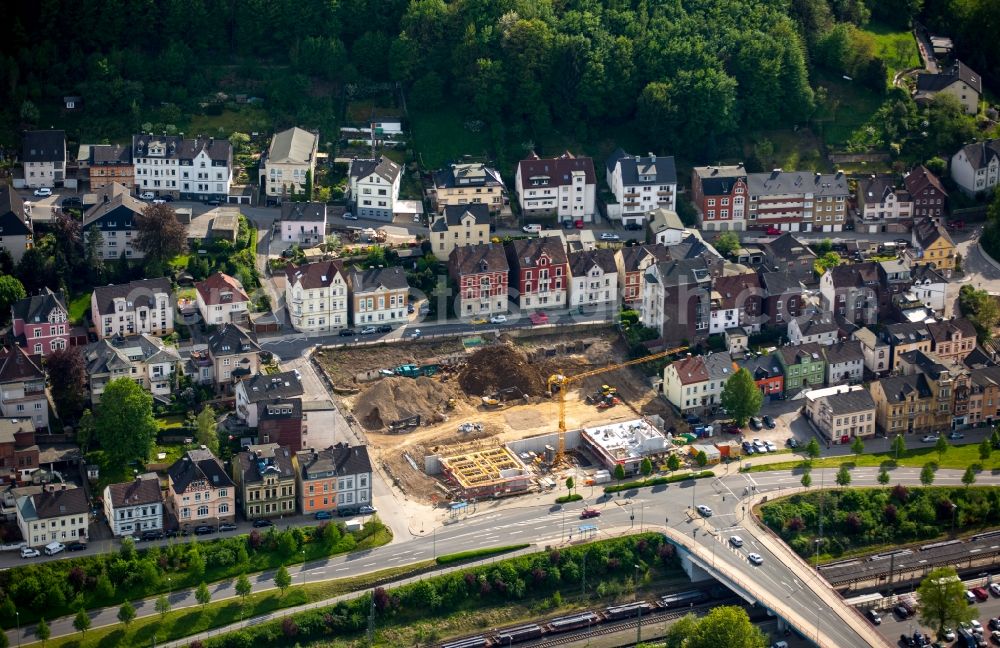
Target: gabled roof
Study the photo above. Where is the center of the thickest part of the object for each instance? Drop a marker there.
(658, 170)
(582, 262)
(802, 354)
(16, 365)
(382, 167)
(811, 326)
(293, 146)
(198, 465)
(979, 359)
(37, 308)
(958, 72)
(786, 248)
(719, 365)
(269, 386)
(555, 172)
(178, 148)
(719, 180)
(735, 290)
(232, 340)
(220, 288)
(777, 284)
(780, 182)
(906, 332)
(279, 409)
(927, 232)
(467, 175)
(110, 198)
(141, 490)
(453, 215)
(763, 366)
(844, 351)
(112, 353)
(110, 154)
(14, 220)
(139, 293)
(525, 253)
(875, 189)
(684, 272)
(369, 280)
(320, 274)
(64, 500)
(303, 211)
(336, 460)
(693, 246)
(661, 219)
(980, 154)
(898, 388)
(943, 331)
(854, 275)
(267, 459)
(475, 259)
(920, 178)
(691, 369)
(44, 146)
(850, 402)
(634, 255)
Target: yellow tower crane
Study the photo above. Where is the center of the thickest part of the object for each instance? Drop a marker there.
(562, 382)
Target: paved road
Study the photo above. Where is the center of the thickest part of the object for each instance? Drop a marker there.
(540, 522)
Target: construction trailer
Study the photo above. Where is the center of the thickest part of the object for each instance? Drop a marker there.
(491, 472)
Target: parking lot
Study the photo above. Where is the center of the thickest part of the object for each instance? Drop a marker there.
(892, 626)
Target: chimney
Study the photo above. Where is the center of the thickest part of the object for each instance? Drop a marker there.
(652, 157)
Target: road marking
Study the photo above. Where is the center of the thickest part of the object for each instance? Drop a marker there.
(367, 564)
(342, 569)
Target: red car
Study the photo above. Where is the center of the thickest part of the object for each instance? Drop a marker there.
(980, 593)
(773, 231)
(589, 513)
(578, 223)
(731, 428)
(539, 317)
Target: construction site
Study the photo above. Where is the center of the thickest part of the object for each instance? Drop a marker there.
(468, 418)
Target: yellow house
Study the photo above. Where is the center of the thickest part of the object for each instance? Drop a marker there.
(458, 226)
(932, 247)
(904, 404)
(468, 184)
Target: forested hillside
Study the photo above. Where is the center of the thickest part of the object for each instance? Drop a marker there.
(690, 72)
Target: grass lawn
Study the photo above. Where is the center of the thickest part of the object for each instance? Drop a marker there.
(170, 421)
(245, 120)
(849, 106)
(180, 262)
(440, 137)
(189, 621)
(957, 457)
(78, 308)
(896, 47)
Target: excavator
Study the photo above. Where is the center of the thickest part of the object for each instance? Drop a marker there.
(559, 383)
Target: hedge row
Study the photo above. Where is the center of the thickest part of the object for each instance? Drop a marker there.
(475, 554)
(658, 481)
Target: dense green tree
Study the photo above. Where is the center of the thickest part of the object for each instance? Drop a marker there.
(726, 626)
(646, 467)
(883, 476)
(203, 595)
(126, 614)
(282, 579)
(11, 291)
(673, 462)
(927, 474)
(727, 243)
(81, 623)
(941, 445)
(969, 477)
(858, 446)
(680, 630)
(125, 425)
(812, 448)
(159, 235)
(741, 397)
(985, 450)
(843, 476)
(979, 307)
(942, 599)
(806, 480)
(68, 381)
(570, 482)
(243, 587)
(162, 606)
(42, 631)
(898, 445)
(206, 433)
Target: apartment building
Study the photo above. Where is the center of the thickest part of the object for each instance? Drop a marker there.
(264, 387)
(137, 307)
(374, 187)
(303, 223)
(19, 453)
(60, 513)
(930, 198)
(378, 296)
(975, 168)
(641, 184)
(539, 272)
(468, 184)
(110, 163)
(41, 323)
(265, 481)
(22, 388)
(135, 506)
(316, 297)
(459, 225)
(16, 231)
(337, 478)
(593, 279)
(719, 194)
(564, 187)
(289, 164)
(481, 276)
(199, 492)
(797, 201)
(112, 222)
(841, 413)
(43, 156)
(221, 299)
(882, 205)
(189, 169)
(143, 359)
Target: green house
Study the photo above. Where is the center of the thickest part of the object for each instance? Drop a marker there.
(802, 365)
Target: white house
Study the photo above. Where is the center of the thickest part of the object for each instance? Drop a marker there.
(316, 297)
(805, 329)
(565, 187)
(695, 383)
(666, 227)
(724, 313)
(60, 513)
(976, 167)
(136, 307)
(875, 350)
(930, 288)
(222, 300)
(594, 279)
(135, 506)
(845, 362)
(289, 161)
(265, 387)
(374, 187)
(641, 184)
(303, 222)
(112, 222)
(190, 169)
(141, 358)
(43, 155)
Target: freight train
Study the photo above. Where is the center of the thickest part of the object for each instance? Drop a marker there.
(580, 620)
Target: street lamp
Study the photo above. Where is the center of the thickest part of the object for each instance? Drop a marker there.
(18, 617)
(302, 569)
(638, 628)
(954, 508)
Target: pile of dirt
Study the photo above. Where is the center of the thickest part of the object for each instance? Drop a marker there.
(500, 366)
(397, 398)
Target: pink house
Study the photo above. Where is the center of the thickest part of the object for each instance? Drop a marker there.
(41, 323)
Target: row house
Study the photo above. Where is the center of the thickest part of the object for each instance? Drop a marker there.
(929, 196)
(953, 340)
(60, 513)
(876, 352)
(904, 337)
(138, 307)
(802, 365)
(17, 234)
(904, 404)
(282, 421)
(316, 297)
(767, 374)
(189, 169)
(719, 194)
(468, 184)
(374, 187)
(841, 413)
(19, 453)
(931, 246)
(459, 225)
(594, 279)
(303, 222)
(737, 301)
(677, 300)
(222, 300)
(632, 262)
(784, 298)
(983, 389)
(43, 156)
(895, 280)
(264, 387)
(337, 478)
(143, 359)
(231, 354)
(378, 296)
(941, 380)
(804, 330)
(41, 323)
(845, 362)
(541, 269)
(481, 275)
(288, 166)
(929, 288)
(797, 201)
(199, 492)
(975, 168)
(265, 481)
(110, 163)
(134, 507)
(641, 184)
(853, 292)
(22, 388)
(111, 224)
(788, 254)
(882, 206)
(564, 187)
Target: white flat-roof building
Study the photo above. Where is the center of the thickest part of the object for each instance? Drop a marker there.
(625, 443)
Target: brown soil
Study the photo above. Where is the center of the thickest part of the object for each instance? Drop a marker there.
(500, 366)
(393, 399)
(343, 365)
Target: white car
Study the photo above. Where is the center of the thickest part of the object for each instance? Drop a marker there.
(995, 589)
(350, 216)
(977, 627)
(755, 559)
(368, 330)
(970, 597)
(498, 319)
(415, 334)
(930, 438)
(770, 446)
(736, 541)
(146, 195)
(704, 510)
(610, 236)
(43, 192)
(28, 552)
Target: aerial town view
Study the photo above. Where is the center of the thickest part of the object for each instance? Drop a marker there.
(456, 324)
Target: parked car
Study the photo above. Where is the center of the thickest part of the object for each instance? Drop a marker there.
(532, 228)
(350, 216)
(384, 328)
(204, 529)
(995, 590)
(970, 597)
(610, 236)
(901, 242)
(633, 227)
(367, 510)
(215, 202)
(589, 513)
(755, 424)
(947, 634)
(994, 623)
(792, 443)
(955, 224)
(30, 552)
(770, 446)
(930, 438)
(498, 319)
(731, 428)
(262, 523)
(747, 448)
(901, 611)
(773, 231)
(955, 435)
(369, 330)
(578, 223)
(72, 201)
(227, 526)
(567, 224)
(346, 333)
(768, 422)
(759, 446)
(539, 317)
(147, 195)
(170, 533)
(704, 510)
(151, 534)
(43, 192)
(53, 548)
(416, 333)
(324, 515)
(874, 617)
(755, 558)
(76, 546)
(736, 541)
(980, 593)
(409, 309)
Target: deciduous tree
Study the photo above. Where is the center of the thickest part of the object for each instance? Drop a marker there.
(81, 622)
(11, 291)
(726, 626)
(126, 614)
(969, 478)
(741, 397)
(42, 631)
(162, 606)
(203, 595)
(125, 424)
(843, 476)
(942, 599)
(159, 235)
(927, 474)
(68, 381)
(282, 579)
(243, 587)
(858, 446)
(207, 433)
